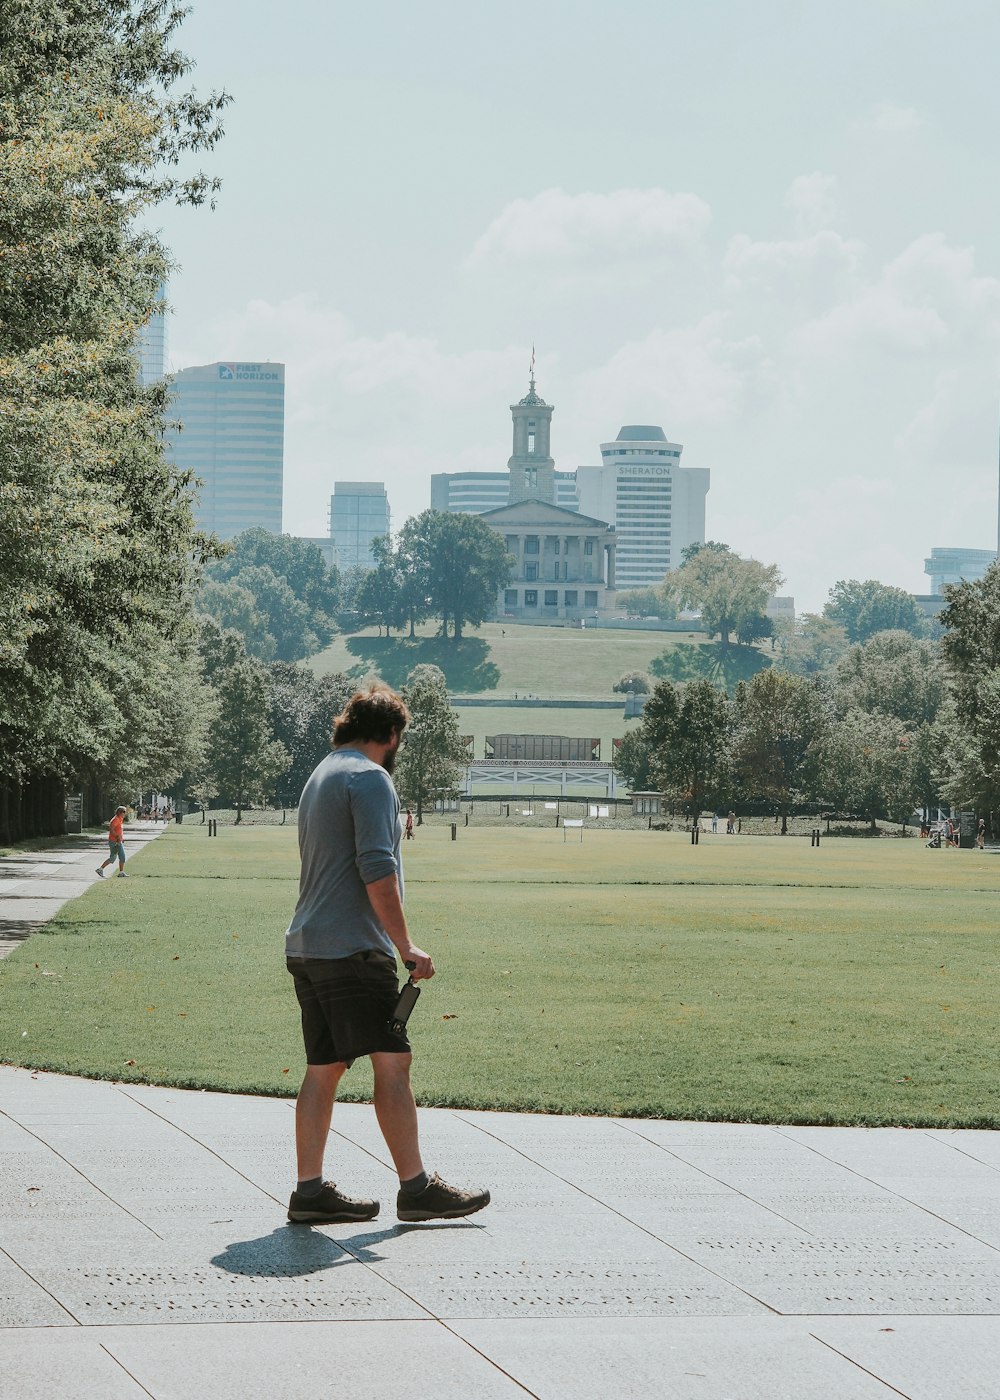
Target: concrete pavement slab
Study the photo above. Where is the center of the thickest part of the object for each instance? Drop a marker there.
(926, 1358)
(684, 1359)
(390, 1361)
(63, 1362)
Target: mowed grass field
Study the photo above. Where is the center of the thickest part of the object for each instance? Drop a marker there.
(630, 973)
(561, 662)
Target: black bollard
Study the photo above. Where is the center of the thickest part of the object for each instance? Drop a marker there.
(466, 819)
(454, 831)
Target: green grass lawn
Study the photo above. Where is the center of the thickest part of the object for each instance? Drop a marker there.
(558, 662)
(745, 978)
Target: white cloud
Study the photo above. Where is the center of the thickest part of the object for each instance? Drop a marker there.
(696, 374)
(813, 201)
(892, 118)
(555, 226)
(821, 265)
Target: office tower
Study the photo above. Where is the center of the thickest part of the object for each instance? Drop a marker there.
(957, 566)
(470, 493)
(232, 431)
(151, 347)
(359, 513)
(657, 506)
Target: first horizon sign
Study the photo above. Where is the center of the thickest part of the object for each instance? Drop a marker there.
(271, 373)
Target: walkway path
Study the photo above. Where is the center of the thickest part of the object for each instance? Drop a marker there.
(144, 1251)
(34, 885)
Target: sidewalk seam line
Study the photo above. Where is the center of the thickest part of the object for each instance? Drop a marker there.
(652, 1235)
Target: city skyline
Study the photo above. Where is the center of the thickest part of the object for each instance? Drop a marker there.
(781, 247)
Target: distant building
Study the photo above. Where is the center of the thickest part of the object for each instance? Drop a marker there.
(151, 348)
(657, 506)
(564, 561)
(359, 513)
(781, 610)
(471, 493)
(957, 566)
(323, 543)
(232, 436)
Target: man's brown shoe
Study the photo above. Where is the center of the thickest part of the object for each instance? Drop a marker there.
(439, 1201)
(329, 1207)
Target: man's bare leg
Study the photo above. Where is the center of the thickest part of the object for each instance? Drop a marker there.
(396, 1112)
(313, 1112)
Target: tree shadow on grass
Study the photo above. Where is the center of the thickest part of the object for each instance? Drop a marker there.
(465, 664)
(709, 661)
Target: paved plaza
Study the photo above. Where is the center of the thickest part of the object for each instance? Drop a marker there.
(144, 1253)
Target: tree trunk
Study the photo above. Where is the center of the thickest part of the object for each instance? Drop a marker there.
(784, 823)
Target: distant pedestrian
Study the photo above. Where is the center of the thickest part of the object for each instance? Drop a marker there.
(730, 823)
(409, 825)
(715, 823)
(981, 834)
(116, 843)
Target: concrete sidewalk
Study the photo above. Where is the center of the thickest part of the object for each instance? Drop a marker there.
(144, 1249)
(34, 885)
(144, 1252)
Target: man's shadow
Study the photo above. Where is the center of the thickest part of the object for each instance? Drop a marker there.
(292, 1251)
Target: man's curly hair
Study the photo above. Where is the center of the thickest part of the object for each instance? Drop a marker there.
(371, 716)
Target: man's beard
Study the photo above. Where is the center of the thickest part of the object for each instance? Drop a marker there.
(389, 759)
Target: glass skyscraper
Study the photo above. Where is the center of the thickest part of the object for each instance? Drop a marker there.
(151, 347)
(359, 513)
(232, 436)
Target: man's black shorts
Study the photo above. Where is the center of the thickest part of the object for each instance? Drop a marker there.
(346, 1006)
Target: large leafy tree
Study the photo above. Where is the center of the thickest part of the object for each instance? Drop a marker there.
(98, 551)
(812, 645)
(864, 608)
(303, 708)
(244, 760)
(463, 563)
(782, 721)
(969, 760)
(730, 592)
(432, 761)
(866, 767)
(685, 733)
(294, 596)
(893, 674)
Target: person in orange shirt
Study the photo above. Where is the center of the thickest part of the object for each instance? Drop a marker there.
(116, 843)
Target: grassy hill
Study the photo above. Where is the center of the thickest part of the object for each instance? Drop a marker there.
(548, 662)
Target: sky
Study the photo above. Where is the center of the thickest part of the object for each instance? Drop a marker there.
(769, 227)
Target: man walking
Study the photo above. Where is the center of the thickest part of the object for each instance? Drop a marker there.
(340, 947)
(116, 843)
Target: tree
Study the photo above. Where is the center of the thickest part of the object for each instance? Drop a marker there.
(244, 760)
(686, 733)
(464, 563)
(866, 767)
(633, 683)
(302, 710)
(380, 597)
(893, 674)
(729, 592)
(632, 762)
(782, 721)
(863, 609)
(645, 602)
(812, 646)
(432, 761)
(969, 760)
(291, 589)
(234, 609)
(298, 562)
(89, 133)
